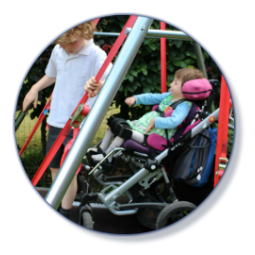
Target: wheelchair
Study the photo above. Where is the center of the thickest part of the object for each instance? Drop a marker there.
(148, 188)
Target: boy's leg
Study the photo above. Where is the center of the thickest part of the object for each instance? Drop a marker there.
(69, 197)
(67, 201)
(54, 172)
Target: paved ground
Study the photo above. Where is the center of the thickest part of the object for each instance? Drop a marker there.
(105, 221)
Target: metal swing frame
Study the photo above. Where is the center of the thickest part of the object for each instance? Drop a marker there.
(130, 48)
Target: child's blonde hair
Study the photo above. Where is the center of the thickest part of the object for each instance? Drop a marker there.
(84, 30)
(187, 74)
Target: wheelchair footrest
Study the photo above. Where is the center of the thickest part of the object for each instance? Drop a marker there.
(105, 165)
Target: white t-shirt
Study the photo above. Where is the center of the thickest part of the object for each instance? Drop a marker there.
(72, 71)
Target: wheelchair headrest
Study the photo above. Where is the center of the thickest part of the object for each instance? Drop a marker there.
(198, 89)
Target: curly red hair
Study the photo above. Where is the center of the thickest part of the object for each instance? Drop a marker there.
(84, 30)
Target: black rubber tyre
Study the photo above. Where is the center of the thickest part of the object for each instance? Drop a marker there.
(173, 212)
(87, 220)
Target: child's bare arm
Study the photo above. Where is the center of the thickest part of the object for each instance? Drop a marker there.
(130, 101)
(150, 126)
(32, 95)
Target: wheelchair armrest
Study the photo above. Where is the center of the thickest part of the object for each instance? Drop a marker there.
(157, 142)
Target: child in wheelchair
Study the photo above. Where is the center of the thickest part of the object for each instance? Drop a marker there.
(155, 122)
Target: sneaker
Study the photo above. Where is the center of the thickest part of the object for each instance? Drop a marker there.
(97, 157)
(92, 151)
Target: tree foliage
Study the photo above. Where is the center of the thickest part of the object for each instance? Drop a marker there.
(36, 72)
(144, 74)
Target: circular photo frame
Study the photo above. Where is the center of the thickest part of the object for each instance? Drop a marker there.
(204, 209)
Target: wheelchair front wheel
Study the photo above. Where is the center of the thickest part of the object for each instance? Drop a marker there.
(173, 212)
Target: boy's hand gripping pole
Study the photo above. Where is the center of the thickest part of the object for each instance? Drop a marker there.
(119, 41)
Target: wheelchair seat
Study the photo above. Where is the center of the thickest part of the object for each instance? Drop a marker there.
(198, 93)
(157, 143)
(132, 145)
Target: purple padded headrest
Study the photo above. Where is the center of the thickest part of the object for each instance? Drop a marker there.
(198, 89)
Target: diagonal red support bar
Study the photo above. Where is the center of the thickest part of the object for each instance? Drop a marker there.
(96, 21)
(67, 127)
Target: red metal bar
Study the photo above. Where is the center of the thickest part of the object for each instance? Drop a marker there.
(163, 59)
(67, 127)
(96, 21)
(222, 136)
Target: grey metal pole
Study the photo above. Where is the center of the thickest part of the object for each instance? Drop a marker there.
(98, 111)
(106, 34)
(205, 123)
(200, 59)
(166, 34)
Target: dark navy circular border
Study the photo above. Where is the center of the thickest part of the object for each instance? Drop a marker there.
(206, 207)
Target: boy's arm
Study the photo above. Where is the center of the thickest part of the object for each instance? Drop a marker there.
(32, 95)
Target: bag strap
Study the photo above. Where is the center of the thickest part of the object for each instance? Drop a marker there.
(201, 146)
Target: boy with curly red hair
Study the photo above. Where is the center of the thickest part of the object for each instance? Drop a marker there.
(74, 60)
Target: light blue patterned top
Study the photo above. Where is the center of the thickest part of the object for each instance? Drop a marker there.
(179, 114)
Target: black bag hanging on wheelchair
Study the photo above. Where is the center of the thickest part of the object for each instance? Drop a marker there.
(195, 162)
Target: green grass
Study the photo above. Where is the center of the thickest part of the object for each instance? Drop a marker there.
(24, 130)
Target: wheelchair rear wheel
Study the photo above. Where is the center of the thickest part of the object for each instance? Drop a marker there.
(174, 212)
